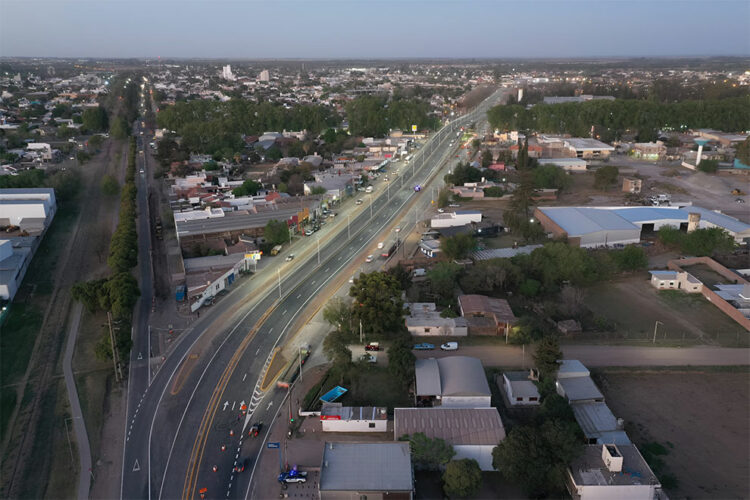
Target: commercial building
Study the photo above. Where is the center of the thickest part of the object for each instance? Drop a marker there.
(472, 432)
(567, 164)
(588, 148)
(611, 472)
(334, 418)
(452, 382)
(605, 226)
(25, 215)
(424, 320)
(520, 389)
(458, 218)
(353, 471)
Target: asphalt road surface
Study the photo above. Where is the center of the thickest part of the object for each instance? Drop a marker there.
(187, 419)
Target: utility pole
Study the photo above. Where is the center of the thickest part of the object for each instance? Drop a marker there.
(656, 325)
(114, 347)
(348, 222)
(317, 240)
(300, 362)
(278, 273)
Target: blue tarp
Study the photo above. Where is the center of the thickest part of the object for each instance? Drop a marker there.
(333, 394)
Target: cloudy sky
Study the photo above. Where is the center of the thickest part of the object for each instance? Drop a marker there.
(373, 29)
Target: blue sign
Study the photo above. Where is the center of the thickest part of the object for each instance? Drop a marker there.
(274, 446)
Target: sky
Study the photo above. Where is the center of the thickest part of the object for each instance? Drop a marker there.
(365, 29)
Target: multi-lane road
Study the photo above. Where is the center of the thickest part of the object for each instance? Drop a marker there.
(187, 419)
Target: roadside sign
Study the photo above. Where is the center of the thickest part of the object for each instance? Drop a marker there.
(413, 128)
(274, 446)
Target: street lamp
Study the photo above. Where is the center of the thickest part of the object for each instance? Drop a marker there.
(656, 325)
(317, 240)
(348, 232)
(278, 273)
(370, 205)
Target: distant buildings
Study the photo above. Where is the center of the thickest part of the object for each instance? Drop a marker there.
(264, 76)
(226, 73)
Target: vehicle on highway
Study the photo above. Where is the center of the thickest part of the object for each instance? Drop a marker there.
(255, 429)
(449, 346)
(275, 250)
(309, 232)
(293, 476)
(424, 346)
(359, 201)
(369, 258)
(381, 245)
(368, 358)
(289, 257)
(397, 229)
(368, 189)
(142, 171)
(372, 346)
(241, 466)
(417, 188)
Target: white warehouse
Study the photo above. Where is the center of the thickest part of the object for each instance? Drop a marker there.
(353, 419)
(458, 218)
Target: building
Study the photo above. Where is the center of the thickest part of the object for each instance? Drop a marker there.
(472, 432)
(576, 99)
(649, 150)
(226, 73)
(578, 390)
(570, 368)
(604, 226)
(424, 320)
(452, 382)
(632, 185)
(458, 218)
(25, 216)
(485, 315)
(675, 280)
(599, 424)
(335, 418)
(612, 472)
(588, 148)
(567, 164)
(353, 471)
(264, 76)
(520, 389)
(429, 247)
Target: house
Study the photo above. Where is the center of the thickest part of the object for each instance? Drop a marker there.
(632, 185)
(354, 471)
(430, 247)
(612, 471)
(451, 382)
(335, 418)
(472, 432)
(675, 280)
(520, 389)
(598, 423)
(485, 315)
(425, 320)
(458, 218)
(649, 150)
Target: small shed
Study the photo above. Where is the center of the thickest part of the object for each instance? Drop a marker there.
(520, 389)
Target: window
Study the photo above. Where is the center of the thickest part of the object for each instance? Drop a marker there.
(371, 425)
(519, 399)
(533, 398)
(427, 330)
(671, 283)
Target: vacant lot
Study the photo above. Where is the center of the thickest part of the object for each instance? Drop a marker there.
(632, 307)
(367, 385)
(701, 418)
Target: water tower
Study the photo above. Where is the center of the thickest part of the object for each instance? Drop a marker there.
(700, 143)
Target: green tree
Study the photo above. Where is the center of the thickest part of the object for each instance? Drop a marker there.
(110, 186)
(494, 192)
(318, 190)
(491, 276)
(123, 294)
(546, 354)
(378, 305)
(486, 158)
(443, 280)
(276, 232)
(401, 359)
(743, 151)
(428, 453)
(119, 128)
(550, 177)
(708, 166)
(458, 246)
(95, 119)
(335, 348)
(338, 313)
(462, 478)
(444, 197)
(95, 141)
(706, 242)
(630, 258)
(606, 177)
(537, 457)
(401, 274)
(248, 188)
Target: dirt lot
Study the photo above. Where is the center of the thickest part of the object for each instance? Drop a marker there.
(701, 418)
(633, 307)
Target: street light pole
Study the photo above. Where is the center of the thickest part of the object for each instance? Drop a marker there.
(278, 273)
(371, 206)
(656, 325)
(348, 232)
(317, 240)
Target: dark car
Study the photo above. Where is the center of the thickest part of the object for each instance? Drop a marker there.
(241, 466)
(255, 430)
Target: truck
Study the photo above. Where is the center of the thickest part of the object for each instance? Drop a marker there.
(275, 250)
(293, 367)
(389, 249)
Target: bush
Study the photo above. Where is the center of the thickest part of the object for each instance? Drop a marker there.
(110, 186)
(708, 166)
(494, 192)
(462, 478)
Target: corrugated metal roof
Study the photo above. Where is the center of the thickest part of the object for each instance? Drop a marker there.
(366, 467)
(428, 377)
(594, 418)
(451, 376)
(580, 388)
(721, 220)
(503, 253)
(457, 426)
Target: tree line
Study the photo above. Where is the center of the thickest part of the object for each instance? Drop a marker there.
(119, 292)
(376, 115)
(612, 119)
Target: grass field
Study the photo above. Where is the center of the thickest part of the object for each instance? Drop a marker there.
(369, 385)
(633, 307)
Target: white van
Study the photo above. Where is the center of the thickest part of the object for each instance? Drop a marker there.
(368, 189)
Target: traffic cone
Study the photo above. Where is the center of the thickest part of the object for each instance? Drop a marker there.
(231, 432)
(214, 468)
(223, 447)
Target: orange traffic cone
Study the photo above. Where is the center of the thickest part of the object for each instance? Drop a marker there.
(223, 447)
(231, 432)
(214, 468)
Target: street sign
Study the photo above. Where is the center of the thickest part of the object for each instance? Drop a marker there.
(274, 446)
(413, 128)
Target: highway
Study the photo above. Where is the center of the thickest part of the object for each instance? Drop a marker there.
(187, 419)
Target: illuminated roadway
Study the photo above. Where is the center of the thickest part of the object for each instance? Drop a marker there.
(178, 422)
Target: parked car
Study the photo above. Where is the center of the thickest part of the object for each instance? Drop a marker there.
(739, 200)
(351, 280)
(255, 429)
(397, 229)
(359, 202)
(441, 210)
(289, 257)
(372, 346)
(369, 258)
(368, 357)
(424, 346)
(308, 232)
(449, 346)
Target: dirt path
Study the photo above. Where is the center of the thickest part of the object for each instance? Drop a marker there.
(74, 262)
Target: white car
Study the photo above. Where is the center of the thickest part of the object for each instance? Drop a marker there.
(351, 280)
(449, 346)
(441, 210)
(397, 229)
(381, 245)
(289, 257)
(369, 258)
